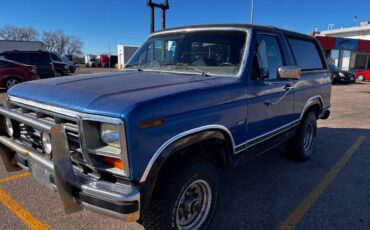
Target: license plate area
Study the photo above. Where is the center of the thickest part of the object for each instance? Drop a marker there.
(42, 174)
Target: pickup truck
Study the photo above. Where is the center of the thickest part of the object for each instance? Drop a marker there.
(146, 144)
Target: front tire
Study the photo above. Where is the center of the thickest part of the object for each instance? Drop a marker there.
(184, 198)
(302, 145)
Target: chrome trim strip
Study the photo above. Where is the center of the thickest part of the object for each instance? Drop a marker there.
(179, 136)
(282, 128)
(188, 30)
(268, 135)
(50, 108)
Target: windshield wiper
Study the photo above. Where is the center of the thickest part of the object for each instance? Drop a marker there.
(203, 73)
(135, 65)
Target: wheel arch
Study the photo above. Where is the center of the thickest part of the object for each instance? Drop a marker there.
(179, 146)
(18, 77)
(314, 103)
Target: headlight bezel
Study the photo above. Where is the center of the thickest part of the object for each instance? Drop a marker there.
(91, 142)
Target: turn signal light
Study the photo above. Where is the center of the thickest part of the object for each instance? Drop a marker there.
(151, 123)
(116, 163)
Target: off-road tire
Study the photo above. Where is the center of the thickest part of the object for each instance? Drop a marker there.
(295, 147)
(161, 212)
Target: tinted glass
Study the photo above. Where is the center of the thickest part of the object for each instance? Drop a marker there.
(19, 57)
(306, 54)
(2, 64)
(268, 58)
(212, 52)
(37, 58)
(54, 57)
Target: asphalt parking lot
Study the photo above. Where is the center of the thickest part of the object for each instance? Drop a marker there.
(330, 191)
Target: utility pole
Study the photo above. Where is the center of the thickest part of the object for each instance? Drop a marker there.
(252, 12)
(163, 6)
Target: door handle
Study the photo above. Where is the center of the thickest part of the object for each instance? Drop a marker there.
(287, 88)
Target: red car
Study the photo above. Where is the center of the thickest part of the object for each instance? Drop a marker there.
(103, 61)
(12, 73)
(363, 75)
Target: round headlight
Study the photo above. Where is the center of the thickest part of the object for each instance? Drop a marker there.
(109, 134)
(9, 126)
(46, 143)
(341, 74)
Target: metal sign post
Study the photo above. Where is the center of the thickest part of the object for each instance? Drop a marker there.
(163, 6)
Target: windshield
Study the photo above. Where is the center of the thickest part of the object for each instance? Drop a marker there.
(206, 53)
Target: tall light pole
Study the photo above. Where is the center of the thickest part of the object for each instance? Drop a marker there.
(252, 12)
(164, 6)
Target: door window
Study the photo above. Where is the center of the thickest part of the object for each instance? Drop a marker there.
(267, 58)
(37, 58)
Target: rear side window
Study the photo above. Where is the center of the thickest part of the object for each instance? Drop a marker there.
(18, 57)
(38, 58)
(306, 54)
(55, 57)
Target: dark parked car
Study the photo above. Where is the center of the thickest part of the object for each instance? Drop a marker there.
(145, 144)
(62, 67)
(341, 76)
(40, 59)
(12, 73)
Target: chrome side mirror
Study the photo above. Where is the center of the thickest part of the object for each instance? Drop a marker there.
(289, 72)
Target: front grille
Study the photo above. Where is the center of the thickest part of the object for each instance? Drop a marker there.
(87, 160)
(32, 137)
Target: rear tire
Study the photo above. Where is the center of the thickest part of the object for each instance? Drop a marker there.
(10, 82)
(302, 145)
(184, 198)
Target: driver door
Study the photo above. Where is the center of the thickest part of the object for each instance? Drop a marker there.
(271, 99)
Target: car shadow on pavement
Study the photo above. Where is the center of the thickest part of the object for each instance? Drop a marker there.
(263, 192)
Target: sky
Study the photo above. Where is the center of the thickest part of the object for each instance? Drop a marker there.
(99, 23)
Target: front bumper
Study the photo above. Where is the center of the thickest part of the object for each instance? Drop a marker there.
(76, 189)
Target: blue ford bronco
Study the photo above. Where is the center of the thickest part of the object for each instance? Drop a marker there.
(146, 144)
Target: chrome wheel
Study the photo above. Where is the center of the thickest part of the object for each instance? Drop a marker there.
(361, 78)
(308, 137)
(194, 205)
(11, 82)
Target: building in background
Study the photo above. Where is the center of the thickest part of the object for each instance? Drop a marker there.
(124, 54)
(7, 45)
(347, 48)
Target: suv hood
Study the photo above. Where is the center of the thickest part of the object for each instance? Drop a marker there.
(110, 94)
